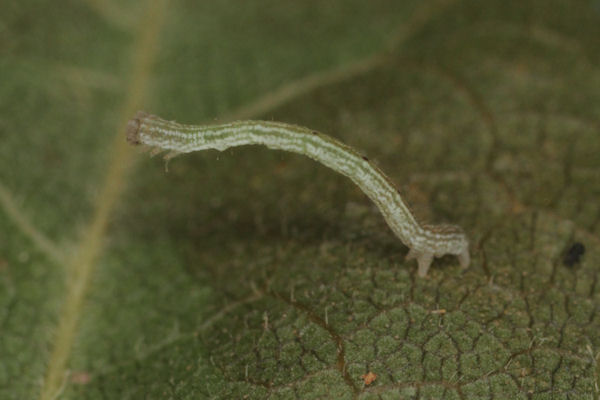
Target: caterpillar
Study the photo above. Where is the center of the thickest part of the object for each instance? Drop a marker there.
(424, 241)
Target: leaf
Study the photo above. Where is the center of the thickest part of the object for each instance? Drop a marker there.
(259, 274)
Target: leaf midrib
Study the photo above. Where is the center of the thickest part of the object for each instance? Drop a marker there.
(80, 266)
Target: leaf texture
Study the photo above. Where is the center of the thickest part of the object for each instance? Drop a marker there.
(258, 274)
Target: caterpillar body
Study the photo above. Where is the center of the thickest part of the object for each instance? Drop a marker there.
(425, 241)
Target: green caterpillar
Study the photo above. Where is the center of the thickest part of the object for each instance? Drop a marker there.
(425, 241)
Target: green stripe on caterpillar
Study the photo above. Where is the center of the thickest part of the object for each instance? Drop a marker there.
(425, 241)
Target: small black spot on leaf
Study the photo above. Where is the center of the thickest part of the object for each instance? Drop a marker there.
(574, 254)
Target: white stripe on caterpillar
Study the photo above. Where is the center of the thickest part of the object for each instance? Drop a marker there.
(425, 241)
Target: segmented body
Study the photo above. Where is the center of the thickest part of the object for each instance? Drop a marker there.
(425, 241)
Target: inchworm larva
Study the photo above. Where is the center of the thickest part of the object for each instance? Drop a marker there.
(424, 241)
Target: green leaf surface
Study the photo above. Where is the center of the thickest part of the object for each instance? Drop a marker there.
(257, 274)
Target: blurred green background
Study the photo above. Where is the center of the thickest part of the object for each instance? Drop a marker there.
(258, 274)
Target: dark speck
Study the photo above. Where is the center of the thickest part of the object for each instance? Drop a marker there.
(315, 132)
(365, 158)
(574, 254)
